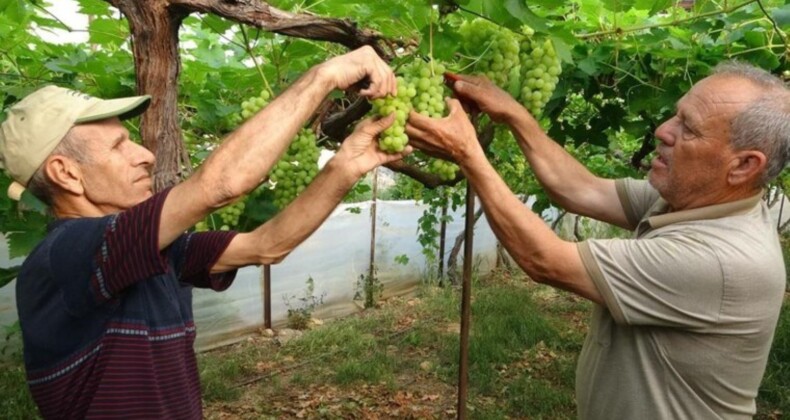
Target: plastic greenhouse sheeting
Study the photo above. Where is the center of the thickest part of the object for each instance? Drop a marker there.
(335, 257)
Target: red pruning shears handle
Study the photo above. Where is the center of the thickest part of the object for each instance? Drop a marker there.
(449, 80)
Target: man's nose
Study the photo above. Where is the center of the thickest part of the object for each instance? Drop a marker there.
(664, 132)
(144, 156)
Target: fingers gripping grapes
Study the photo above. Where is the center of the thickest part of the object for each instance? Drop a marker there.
(485, 95)
(362, 65)
(453, 136)
(360, 148)
(420, 89)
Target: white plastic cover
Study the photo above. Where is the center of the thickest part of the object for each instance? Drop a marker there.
(335, 256)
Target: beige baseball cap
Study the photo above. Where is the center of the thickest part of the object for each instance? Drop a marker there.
(37, 124)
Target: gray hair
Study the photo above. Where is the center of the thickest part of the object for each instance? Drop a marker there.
(764, 124)
(40, 185)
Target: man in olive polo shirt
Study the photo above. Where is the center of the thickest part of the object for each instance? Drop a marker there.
(687, 309)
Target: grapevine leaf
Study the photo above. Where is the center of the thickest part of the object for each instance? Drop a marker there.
(445, 42)
(21, 243)
(16, 10)
(782, 16)
(94, 7)
(755, 39)
(562, 49)
(30, 201)
(215, 24)
(548, 4)
(8, 274)
(108, 31)
(520, 11)
(618, 5)
(654, 6)
(589, 66)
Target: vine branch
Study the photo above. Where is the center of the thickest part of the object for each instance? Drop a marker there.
(776, 27)
(302, 25)
(620, 31)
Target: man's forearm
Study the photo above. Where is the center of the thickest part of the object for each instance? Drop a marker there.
(248, 154)
(275, 239)
(278, 237)
(544, 256)
(244, 158)
(563, 177)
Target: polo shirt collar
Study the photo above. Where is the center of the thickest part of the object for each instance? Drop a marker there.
(715, 211)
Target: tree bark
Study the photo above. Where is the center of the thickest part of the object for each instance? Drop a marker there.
(303, 25)
(154, 26)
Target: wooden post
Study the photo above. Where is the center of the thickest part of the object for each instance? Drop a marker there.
(442, 243)
(372, 268)
(466, 292)
(267, 296)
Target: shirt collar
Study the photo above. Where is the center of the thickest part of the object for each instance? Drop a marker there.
(715, 211)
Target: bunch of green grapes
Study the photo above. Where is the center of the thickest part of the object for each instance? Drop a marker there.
(428, 81)
(250, 107)
(420, 87)
(493, 50)
(227, 217)
(444, 169)
(394, 139)
(294, 171)
(540, 70)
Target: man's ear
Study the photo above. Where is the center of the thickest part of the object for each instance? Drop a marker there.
(65, 173)
(746, 167)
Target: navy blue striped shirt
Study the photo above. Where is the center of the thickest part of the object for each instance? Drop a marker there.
(107, 319)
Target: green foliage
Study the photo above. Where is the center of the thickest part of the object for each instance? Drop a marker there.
(369, 289)
(17, 403)
(299, 314)
(624, 65)
(773, 390)
(7, 275)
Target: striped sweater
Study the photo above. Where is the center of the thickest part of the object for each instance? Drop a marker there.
(106, 317)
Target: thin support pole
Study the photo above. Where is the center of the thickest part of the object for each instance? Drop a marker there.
(466, 292)
(442, 243)
(267, 296)
(781, 209)
(372, 268)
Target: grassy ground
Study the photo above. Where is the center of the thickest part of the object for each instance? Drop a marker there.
(400, 361)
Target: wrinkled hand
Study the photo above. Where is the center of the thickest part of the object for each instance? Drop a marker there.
(362, 64)
(360, 151)
(451, 138)
(484, 94)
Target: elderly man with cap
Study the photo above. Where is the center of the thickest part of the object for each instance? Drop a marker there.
(105, 300)
(686, 311)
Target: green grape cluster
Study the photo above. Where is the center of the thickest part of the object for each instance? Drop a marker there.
(540, 70)
(394, 139)
(444, 169)
(294, 171)
(250, 107)
(428, 80)
(420, 87)
(493, 50)
(230, 214)
(228, 217)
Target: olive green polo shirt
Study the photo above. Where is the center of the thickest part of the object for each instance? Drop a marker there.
(691, 307)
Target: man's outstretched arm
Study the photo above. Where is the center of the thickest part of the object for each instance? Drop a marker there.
(566, 181)
(245, 157)
(533, 245)
(275, 239)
